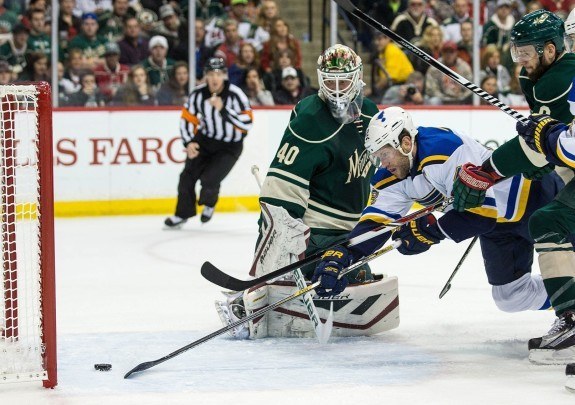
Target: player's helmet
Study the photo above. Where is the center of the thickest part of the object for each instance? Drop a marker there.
(387, 128)
(215, 64)
(537, 28)
(339, 73)
(570, 30)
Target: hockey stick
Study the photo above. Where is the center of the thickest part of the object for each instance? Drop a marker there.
(354, 10)
(447, 285)
(218, 277)
(322, 330)
(261, 312)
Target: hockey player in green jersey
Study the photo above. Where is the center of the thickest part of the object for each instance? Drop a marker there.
(316, 188)
(548, 81)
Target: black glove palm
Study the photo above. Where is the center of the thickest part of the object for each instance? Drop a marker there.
(417, 236)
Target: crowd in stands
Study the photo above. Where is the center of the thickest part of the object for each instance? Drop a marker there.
(135, 52)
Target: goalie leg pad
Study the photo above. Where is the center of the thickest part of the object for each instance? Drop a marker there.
(280, 236)
(255, 300)
(361, 310)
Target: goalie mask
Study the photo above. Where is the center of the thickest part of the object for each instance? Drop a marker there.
(388, 127)
(339, 73)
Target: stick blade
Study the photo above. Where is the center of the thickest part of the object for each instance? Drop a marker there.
(218, 277)
(445, 290)
(140, 367)
(326, 328)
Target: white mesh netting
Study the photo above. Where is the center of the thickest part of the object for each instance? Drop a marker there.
(21, 344)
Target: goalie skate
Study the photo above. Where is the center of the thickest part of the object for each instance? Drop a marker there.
(230, 311)
(558, 345)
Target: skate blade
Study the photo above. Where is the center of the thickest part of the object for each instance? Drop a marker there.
(549, 357)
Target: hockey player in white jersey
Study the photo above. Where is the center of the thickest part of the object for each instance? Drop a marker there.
(418, 165)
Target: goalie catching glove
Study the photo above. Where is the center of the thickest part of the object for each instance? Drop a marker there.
(418, 235)
(536, 130)
(470, 185)
(327, 271)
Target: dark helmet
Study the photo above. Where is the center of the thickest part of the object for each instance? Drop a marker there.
(538, 28)
(215, 64)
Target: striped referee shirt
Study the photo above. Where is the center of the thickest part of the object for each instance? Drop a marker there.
(231, 124)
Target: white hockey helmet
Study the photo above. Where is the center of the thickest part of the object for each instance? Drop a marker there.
(570, 31)
(386, 128)
(339, 74)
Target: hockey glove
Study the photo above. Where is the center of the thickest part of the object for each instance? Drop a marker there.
(417, 236)
(470, 185)
(331, 265)
(535, 131)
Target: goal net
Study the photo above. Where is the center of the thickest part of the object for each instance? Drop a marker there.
(27, 290)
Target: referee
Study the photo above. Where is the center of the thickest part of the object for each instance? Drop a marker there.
(215, 120)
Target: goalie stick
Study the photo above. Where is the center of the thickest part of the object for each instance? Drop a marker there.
(354, 10)
(149, 364)
(322, 330)
(218, 277)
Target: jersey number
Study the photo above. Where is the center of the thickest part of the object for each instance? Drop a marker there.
(287, 154)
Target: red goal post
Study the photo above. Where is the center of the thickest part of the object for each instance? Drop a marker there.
(27, 280)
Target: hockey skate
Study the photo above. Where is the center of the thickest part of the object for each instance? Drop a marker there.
(174, 222)
(232, 310)
(207, 214)
(558, 345)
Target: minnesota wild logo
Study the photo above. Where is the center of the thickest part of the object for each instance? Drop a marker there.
(359, 165)
(541, 19)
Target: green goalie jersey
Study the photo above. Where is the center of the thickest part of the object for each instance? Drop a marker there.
(321, 172)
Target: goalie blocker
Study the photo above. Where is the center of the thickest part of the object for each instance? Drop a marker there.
(363, 309)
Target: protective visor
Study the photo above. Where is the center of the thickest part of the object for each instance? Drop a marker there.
(523, 53)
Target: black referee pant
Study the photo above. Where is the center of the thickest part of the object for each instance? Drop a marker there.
(215, 160)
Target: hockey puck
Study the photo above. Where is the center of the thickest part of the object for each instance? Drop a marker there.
(103, 367)
(570, 369)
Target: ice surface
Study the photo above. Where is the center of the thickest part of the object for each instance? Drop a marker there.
(130, 292)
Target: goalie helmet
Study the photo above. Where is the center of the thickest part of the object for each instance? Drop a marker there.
(537, 28)
(387, 128)
(340, 73)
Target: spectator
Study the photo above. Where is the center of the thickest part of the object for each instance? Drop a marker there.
(14, 50)
(411, 24)
(268, 13)
(111, 74)
(273, 79)
(291, 90)
(65, 85)
(88, 41)
(8, 19)
(489, 84)
(111, 22)
(559, 7)
(247, 58)
(248, 31)
(157, 65)
(93, 6)
(137, 91)
(38, 40)
(443, 87)
(75, 66)
(89, 94)
(36, 68)
(431, 43)
(491, 66)
(516, 96)
(452, 26)
(390, 66)
(254, 88)
(133, 48)
(169, 26)
(230, 48)
(207, 10)
(68, 25)
(411, 92)
(203, 52)
(532, 6)
(175, 91)
(465, 45)
(280, 39)
(5, 73)
(497, 29)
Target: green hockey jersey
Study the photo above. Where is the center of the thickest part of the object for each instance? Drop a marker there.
(321, 172)
(549, 94)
